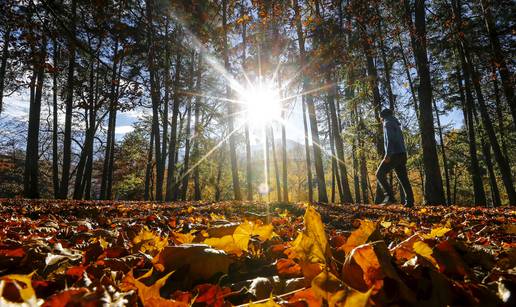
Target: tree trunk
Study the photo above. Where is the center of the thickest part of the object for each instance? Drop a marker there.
(319, 170)
(468, 105)
(3, 64)
(335, 179)
(307, 155)
(197, 131)
(55, 153)
(31, 180)
(503, 165)
(276, 168)
(148, 169)
(232, 140)
(499, 114)
(67, 142)
(284, 150)
(87, 148)
(386, 67)
(186, 162)
(346, 192)
(443, 154)
(409, 77)
(155, 99)
(166, 101)
(434, 194)
(499, 58)
(111, 127)
(173, 134)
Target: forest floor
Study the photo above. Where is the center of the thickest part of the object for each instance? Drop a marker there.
(55, 253)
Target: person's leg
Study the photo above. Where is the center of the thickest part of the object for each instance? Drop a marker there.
(401, 173)
(381, 176)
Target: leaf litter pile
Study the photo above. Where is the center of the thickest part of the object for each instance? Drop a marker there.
(68, 253)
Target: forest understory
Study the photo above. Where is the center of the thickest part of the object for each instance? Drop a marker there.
(79, 253)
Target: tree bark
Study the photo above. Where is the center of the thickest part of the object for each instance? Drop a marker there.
(31, 174)
(468, 105)
(55, 153)
(276, 168)
(434, 194)
(499, 58)
(503, 164)
(111, 127)
(346, 196)
(148, 169)
(5, 57)
(67, 142)
(186, 163)
(173, 134)
(443, 155)
(155, 99)
(232, 140)
(307, 155)
(319, 169)
(197, 131)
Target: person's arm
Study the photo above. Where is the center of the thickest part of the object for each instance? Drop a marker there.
(389, 131)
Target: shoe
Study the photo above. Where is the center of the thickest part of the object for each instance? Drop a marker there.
(388, 201)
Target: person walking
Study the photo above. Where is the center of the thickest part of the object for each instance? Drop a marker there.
(395, 159)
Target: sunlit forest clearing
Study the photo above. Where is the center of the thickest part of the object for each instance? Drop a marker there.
(311, 152)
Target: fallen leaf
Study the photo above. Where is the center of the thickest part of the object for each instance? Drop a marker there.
(311, 245)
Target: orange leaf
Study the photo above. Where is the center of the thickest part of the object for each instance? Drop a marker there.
(211, 295)
(288, 268)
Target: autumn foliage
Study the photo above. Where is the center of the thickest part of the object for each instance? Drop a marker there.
(65, 253)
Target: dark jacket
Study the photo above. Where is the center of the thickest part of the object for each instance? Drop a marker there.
(393, 136)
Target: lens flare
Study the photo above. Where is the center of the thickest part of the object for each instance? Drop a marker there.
(261, 105)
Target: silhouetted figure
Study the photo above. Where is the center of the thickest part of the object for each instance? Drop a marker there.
(395, 159)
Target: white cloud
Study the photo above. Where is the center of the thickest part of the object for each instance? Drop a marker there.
(123, 129)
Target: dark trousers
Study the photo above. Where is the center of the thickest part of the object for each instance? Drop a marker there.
(398, 163)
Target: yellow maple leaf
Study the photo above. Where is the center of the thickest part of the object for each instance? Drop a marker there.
(149, 242)
(328, 287)
(360, 235)
(311, 245)
(227, 244)
(422, 249)
(181, 238)
(436, 233)
(149, 295)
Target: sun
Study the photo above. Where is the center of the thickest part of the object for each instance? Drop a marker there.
(261, 105)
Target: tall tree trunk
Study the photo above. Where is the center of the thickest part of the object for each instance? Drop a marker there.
(148, 169)
(499, 58)
(67, 142)
(232, 140)
(275, 161)
(319, 169)
(307, 155)
(284, 150)
(409, 77)
(186, 162)
(346, 192)
(434, 194)
(386, 67)
(443, 155)
(499, 114)
(468, 106)
(155, 98)
(55, 153)
(173, 133)
(31, 180)
(197, 131)
(335, 178)
(111, 127)
(166, 101)
(503, 165)
(78, 191)
(3, 64)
